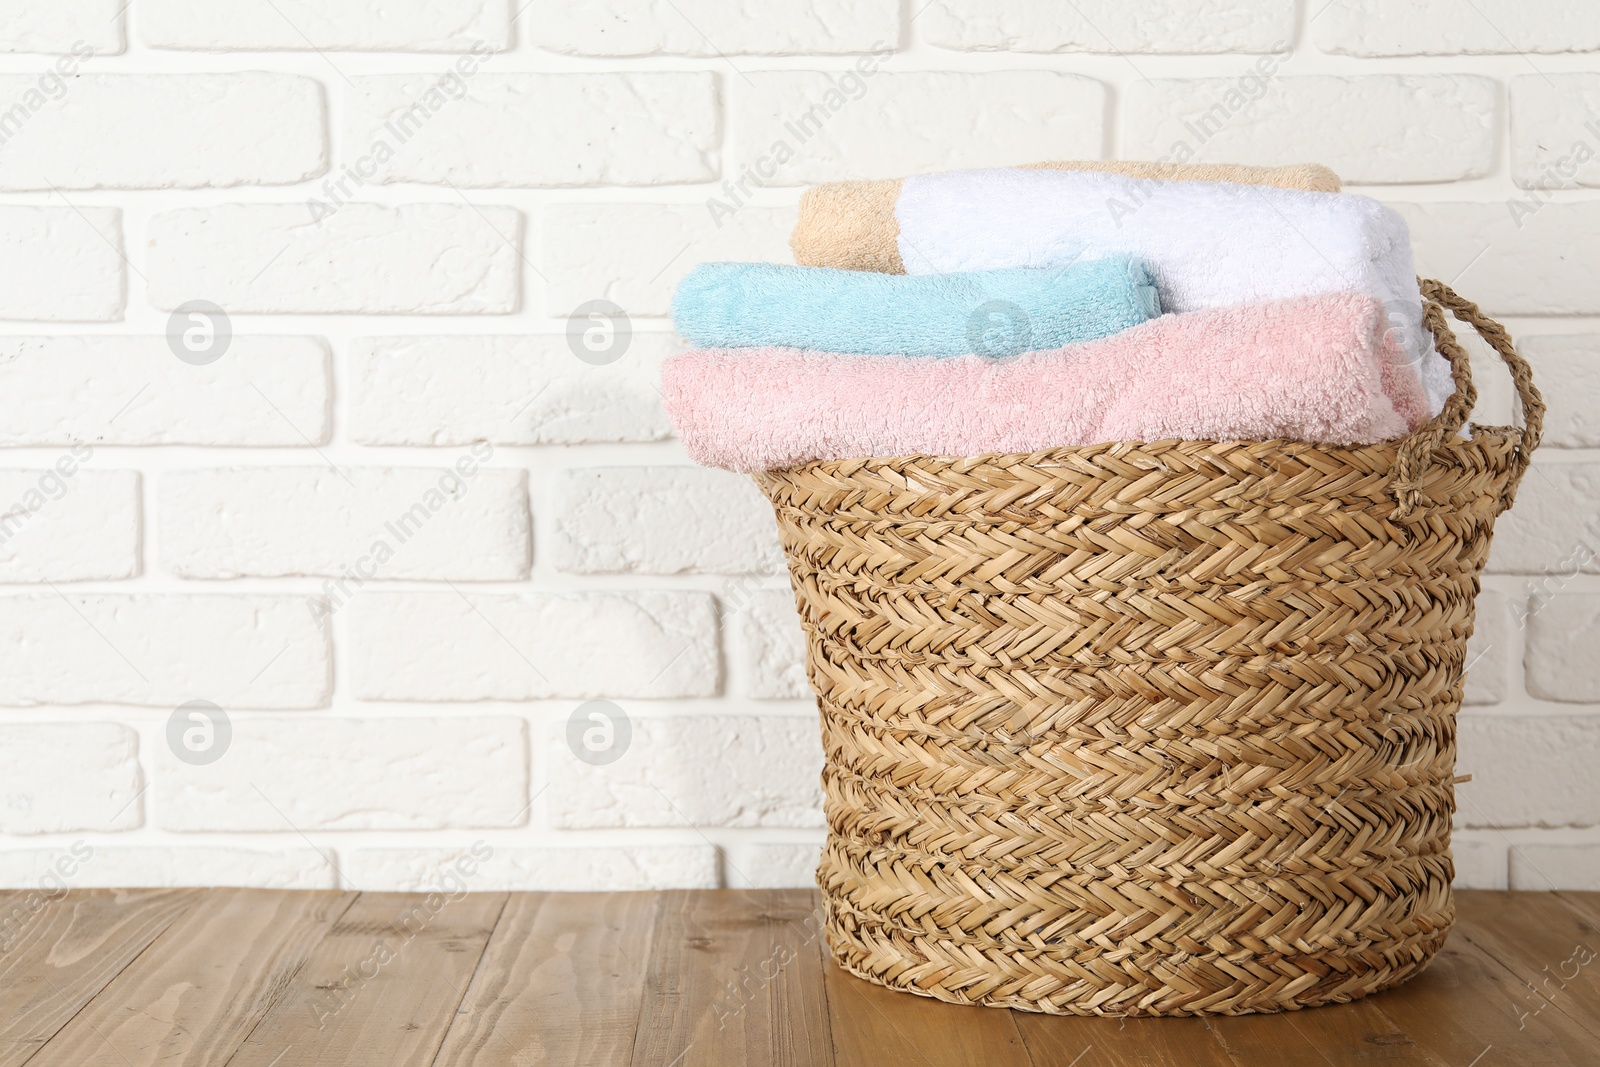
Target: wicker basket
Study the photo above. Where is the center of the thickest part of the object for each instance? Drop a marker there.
(1148, 729)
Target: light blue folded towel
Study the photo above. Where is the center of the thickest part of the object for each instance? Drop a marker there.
(988, 312)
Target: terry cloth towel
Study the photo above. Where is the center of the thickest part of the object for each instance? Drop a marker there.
(1206, 244)
(989, 312)
(1313, 369)
(852, 225)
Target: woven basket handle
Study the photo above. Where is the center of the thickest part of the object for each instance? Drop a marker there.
(1418, 448)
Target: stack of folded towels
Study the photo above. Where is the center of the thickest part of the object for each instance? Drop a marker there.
(1023, 309)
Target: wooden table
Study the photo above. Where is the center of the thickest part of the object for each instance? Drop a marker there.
(256, 978)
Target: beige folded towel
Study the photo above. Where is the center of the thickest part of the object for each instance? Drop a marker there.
(852, 225)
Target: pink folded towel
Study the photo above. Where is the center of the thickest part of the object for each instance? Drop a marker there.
(1320, 369)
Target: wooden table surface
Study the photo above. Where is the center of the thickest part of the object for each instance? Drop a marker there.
(258, 978)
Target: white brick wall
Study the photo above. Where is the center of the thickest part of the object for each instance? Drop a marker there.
(541, 129)
(400, 202)
(377, 26)
(871, 123)
(455, 522)
(1573, 416)
(428, 259)
(61, 264)
(1554, 130)
(160, 650)
(1378, 128)
(640, 520)
(459, 647)
(237, 129)
(1454, 242)
(56, 27)
(1489, 651)
(504, 390)
(69, 777)
(651, 27)
(771, 648)
(132, 391)
(616, 869)
(635, 254)
(1109, 26)
(371, 774)
(723, 770)
(1454, 27)
(1556, 517)
(114, 867)
(66, 524)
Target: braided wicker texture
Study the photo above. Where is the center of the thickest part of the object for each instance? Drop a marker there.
(1147, 728)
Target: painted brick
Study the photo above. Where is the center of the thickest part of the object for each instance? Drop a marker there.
(536, 129)
(1480, 858)
(372, 26)
(1540, 868)
(29, 26)
(419, 259)
(1528, 770)
(614, 869)
(1554, 529)
(722, 770)
(1453, 27)
(1371, 129)
(1488, 651)
(848, 126)
(1175, 26)
(156, 865)
(134, 391)
(60, 264)
(1500, 254)
(67, 777)
(173, 122)
(163, 131)
(771, 646)
(635, 254)
(1572, 416)
(460, 521)
(1562, 635)
(65, 524)
(455, 647)
(651, 27)
(774, 866)
(161, 650)
(663, 520)
(1495, 406)
(305, 773)
(1555, 135)
(507, 390)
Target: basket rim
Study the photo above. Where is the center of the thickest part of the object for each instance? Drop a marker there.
(1481, 436)
(1406, 463)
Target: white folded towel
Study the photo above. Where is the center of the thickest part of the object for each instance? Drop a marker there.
(1207, 244)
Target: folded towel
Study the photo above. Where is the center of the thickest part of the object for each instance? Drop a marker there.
(1317, 369)
(990, 312)
(1206, 244)
(852, 226)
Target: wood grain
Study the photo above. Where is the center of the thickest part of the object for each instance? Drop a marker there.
(1588, 903)
(1358, 1032)
(253, 978)
(1552, 947)
(382, 988)
(1465, 1009)
(1087, 1042)
(202, 985)
(734, 978)
(873, 1026)
(61, 953)
(559, 985)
